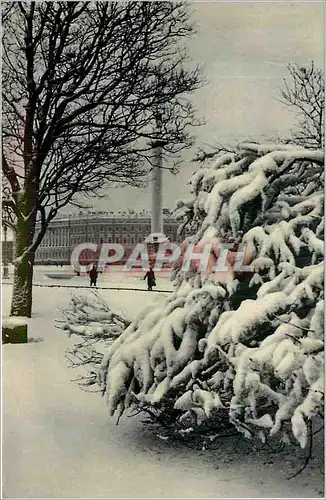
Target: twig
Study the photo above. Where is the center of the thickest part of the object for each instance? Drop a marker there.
(308, 457)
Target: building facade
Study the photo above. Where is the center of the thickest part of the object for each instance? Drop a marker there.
(65, 233)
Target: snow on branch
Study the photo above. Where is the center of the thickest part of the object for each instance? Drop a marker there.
(246, 350)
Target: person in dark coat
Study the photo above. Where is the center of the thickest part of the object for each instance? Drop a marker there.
(150, 278)
(93, 274)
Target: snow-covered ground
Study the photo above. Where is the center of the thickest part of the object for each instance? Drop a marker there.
(114, 276)
(59, 443)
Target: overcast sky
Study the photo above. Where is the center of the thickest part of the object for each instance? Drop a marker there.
(245, 48)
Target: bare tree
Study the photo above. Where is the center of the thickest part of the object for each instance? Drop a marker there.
(304, 93)
(82, 85)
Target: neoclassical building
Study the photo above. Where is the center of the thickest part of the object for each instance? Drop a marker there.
(65, 233)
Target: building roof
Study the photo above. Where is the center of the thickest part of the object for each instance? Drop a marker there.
(127, 216)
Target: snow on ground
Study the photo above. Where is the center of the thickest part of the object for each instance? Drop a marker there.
(59, 443)
(114, 276)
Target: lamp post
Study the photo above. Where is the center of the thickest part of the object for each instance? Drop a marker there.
(6, 222)
(5, 253)
(69, 239)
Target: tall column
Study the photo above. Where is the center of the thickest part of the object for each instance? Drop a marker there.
(157, 189)
(157, 216)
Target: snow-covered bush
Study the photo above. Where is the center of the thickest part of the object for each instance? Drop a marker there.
(245, 351)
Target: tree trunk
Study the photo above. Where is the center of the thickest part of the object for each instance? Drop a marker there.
(22, 296)
(21, 302)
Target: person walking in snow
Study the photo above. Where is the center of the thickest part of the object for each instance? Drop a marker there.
(93, 274)
(150, 279)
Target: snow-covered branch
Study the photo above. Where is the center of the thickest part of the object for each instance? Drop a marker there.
(90, 318)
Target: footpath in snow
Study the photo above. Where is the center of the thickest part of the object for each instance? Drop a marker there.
(58, 441)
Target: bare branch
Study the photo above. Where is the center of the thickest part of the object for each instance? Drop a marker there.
(10, 174)
(304, 93)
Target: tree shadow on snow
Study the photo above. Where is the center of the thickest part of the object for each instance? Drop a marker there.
(35, 340)
(236, 454)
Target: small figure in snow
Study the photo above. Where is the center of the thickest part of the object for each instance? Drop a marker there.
(150, 278)
(93, 274)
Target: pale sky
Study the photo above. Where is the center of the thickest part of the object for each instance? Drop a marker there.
(245, 48)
